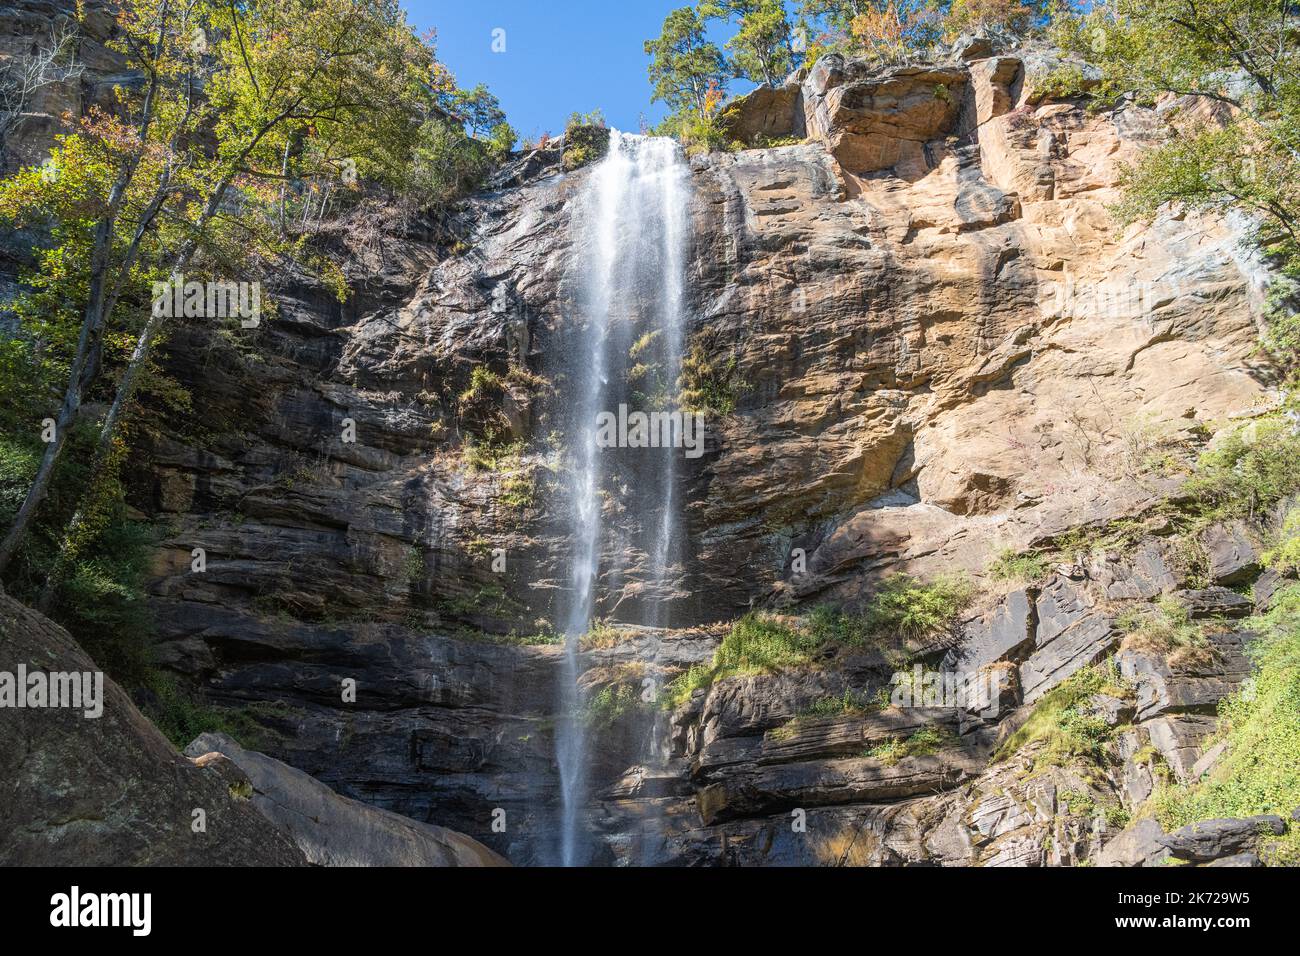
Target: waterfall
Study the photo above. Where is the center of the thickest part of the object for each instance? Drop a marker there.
(624, 347)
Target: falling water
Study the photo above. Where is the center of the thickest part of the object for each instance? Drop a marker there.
(627, 277)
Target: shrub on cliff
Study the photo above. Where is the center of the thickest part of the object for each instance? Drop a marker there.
(1261, 726)
(1250, 469)
(906, 608)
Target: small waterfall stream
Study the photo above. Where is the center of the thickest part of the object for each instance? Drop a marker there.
(627, 277)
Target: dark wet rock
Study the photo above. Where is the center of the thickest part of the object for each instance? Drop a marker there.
(1213, 839)
(755, 790)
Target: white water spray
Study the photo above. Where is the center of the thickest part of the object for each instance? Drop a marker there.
(628, 273)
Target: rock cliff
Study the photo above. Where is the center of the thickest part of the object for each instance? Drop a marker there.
(938, 346)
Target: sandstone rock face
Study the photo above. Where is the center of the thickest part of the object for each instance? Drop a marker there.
(109, 790)
(939, 346)
(334, 831)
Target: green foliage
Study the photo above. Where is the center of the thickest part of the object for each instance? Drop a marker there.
(1065, 82)
(761, 50)
(698, 134)
(18, 461)
(182, 716)
(610, 707)
(759, 642)
(828, 624)
(848, 703)
(1284, 556)
(1166, 628)
(1250, 469)
(1016, 568)
(102, 599)
(905, 608)
(709, 382)
(1012, 16)
(413, 568)
(1261, 725)
(483, 384)
(1063, 730)
(492, 453)
(584, 142)
(687, 70)
(447, 165)
(926, 741)
(1241, 53)
(602, 636)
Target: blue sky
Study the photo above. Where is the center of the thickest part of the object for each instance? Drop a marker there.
(561, 56)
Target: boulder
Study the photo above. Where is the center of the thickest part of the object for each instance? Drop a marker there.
(1213, 839)
(969, 47)
(871, 120)
(332, 830)
(1050, 74)
(1004, 633)
(1178, 738)
(1266, 585)
(1138, 844)
(1147, 571)
(111, 790)
(765, 113)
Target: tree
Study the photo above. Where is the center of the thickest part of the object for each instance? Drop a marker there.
(684, 65)
(1237, 53)
(237, 98)
(24, 75)
(1241, 57)
(836, 15)
(762, 49)
(890, 30)
(478, 109)
(1013, 16)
